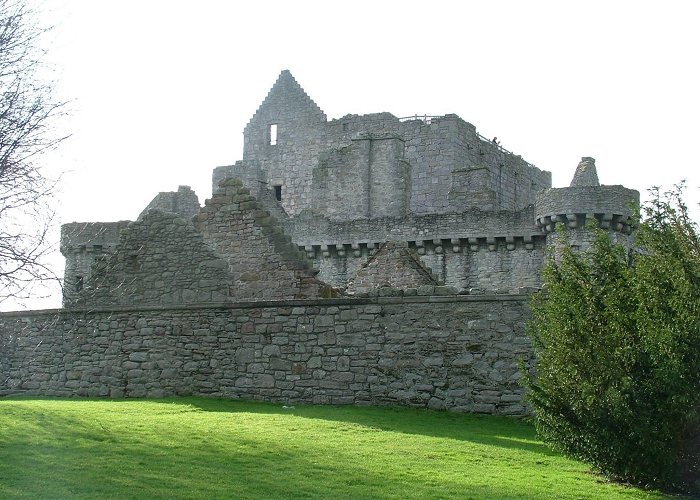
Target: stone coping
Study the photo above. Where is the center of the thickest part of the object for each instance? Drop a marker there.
(342, 301)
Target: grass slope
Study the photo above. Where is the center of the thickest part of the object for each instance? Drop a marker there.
(210, 448)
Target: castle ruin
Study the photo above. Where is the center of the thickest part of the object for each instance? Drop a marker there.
(477, 215)
(364, 260)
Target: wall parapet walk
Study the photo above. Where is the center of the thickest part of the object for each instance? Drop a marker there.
(452, 352)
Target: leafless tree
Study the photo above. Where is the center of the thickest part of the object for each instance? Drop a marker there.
(27, 118)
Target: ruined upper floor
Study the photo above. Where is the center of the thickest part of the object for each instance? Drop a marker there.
(376, 165)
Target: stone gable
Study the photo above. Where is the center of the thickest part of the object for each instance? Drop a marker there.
(262, 260)
(393, 266)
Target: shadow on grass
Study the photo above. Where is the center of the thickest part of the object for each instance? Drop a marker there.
(155, 472)
(491, 430)
(54, 455)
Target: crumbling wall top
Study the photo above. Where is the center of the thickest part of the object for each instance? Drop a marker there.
(586, 174)
(183, 203)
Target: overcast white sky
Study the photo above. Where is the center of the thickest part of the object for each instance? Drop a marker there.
(161, 90)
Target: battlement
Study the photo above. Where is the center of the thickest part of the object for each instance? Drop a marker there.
(611, 206)
(82, 243)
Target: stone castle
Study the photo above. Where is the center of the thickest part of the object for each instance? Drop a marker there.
(365, 260)
(476, 216)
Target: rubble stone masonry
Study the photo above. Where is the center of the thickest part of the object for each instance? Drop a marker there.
(363, 260)
(454, 352)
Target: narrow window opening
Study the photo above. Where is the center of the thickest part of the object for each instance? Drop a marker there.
(273, 134)
(345, 127)
(278, 193)
(79, 282)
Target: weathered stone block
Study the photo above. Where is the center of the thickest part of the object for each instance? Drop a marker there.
(138, 356)
(343, 376)
(343, 363)
(271, 350)
(326, 338)
(245, 355)
(280, 364)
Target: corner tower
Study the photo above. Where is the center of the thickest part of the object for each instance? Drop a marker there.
(611, 207)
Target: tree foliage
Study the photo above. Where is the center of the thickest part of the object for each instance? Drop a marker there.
(27, 114)
(617, 338)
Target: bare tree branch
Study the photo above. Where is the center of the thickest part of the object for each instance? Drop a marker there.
(27, 116)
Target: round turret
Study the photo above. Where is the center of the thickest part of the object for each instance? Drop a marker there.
(611, 207)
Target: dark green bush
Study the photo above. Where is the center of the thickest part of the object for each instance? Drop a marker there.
(617, 338)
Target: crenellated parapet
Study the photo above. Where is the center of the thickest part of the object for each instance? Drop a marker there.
(86, 236)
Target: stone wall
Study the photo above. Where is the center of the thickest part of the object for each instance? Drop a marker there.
(611, 208)
(610, 200)
(364, 179)
(489, 264)
(454, 169)
(231, 250)
(451, 352)
(312, 229)
(161, 259)
(489, 252)
(505, 247)
(298, 124)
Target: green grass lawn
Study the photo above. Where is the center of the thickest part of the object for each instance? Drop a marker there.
(211, 448)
